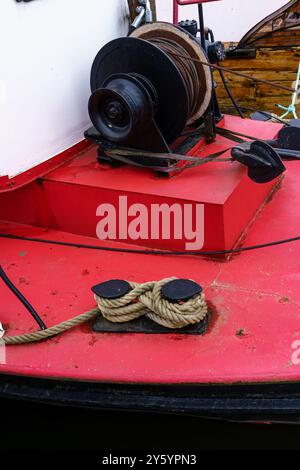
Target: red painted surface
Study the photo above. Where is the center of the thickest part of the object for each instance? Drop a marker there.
(176, 4)
(83, 185)
(220, 187)
(11, 184)
(193, 2)
(254, 299)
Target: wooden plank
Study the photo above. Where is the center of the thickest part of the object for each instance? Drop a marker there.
(276, 62)
(282, 38)
(277, 75)
(279, 66)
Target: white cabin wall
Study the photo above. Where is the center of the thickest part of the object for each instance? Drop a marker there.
(229, 19)
(47, 49)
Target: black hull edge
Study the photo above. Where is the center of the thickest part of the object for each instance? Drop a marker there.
(278, 402)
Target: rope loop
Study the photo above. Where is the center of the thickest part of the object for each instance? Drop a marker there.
(146, 300)
(143, 299)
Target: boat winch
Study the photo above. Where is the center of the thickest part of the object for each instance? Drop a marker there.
(144, 90)
(149, 87)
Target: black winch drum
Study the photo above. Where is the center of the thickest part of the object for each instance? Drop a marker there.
(134, 82)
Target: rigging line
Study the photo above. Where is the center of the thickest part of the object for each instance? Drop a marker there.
(285, 154)
(239, 74)
(230, 95)
(228, 133)
(121, 156)
(22, 299)
(153, 252)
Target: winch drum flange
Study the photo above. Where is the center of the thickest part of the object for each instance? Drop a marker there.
(134, 82)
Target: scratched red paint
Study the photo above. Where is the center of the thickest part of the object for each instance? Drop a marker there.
(254, 299)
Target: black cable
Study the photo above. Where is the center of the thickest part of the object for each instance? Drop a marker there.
(277, 118)
(153, 252)
(226, 86)
(22, 299)
(230, 95)
(201, 26)
(211, 34)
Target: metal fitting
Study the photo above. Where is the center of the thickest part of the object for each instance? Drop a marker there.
(149, 14)
(138, 20)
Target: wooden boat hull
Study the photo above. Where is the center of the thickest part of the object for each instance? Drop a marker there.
(269, 51)
(278, 65)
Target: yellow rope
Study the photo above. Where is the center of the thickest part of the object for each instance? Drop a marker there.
(50, 332)
(143, 299)
(146, 299)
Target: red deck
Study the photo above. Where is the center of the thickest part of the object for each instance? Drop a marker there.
(254, 297)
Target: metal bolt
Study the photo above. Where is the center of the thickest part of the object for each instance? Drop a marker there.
(115, 111)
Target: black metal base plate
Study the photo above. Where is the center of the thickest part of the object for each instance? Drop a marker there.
(159, 146)
(146, 326)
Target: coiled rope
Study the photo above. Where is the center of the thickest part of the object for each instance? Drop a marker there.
(143, 299)
(146, 300)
